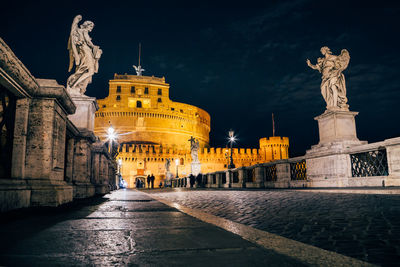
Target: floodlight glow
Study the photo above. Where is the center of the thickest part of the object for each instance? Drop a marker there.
(176, 161)
(111, 134)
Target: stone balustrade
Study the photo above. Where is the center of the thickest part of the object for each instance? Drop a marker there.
(375, 164)
(50, 159)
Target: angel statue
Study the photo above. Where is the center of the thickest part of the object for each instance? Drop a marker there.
(84, 54)
(138, 70)
(194, 149)
(333, 86)
(167, 165)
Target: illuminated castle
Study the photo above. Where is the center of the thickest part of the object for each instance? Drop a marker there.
(152, 128)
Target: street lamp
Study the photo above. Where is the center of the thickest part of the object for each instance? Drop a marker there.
(177, 163)
(111, 136)
(231, 139)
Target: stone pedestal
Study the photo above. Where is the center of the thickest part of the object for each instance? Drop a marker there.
(195, 168)
(84, 114)
(327, 163)
(337, 127)
(83, 119)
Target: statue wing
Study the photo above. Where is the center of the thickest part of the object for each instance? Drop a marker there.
(72, 43)
(343, 60)
(136, 68)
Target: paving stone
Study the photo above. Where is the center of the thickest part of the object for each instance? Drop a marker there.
(368, 221)
(126, 228)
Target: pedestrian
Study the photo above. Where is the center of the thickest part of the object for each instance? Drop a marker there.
(148, 181)
(160, 185)
(152, 178)
(191, 180)
(198, 180)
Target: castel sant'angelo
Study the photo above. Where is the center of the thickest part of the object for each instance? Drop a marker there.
(151, 128)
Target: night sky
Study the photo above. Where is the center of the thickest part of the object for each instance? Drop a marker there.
(240, 64)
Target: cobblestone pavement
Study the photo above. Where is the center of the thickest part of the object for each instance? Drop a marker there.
(366, 227)
(124, 228)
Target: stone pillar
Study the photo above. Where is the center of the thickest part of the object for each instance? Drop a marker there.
(228, 175)
(69, 165)
(83, 119)
(282, 175)
(393, 157)
(242, 177)
(209, 180)
(82, 172)
(19, 142)
(45, 145)
(327, 163)
(259, 173)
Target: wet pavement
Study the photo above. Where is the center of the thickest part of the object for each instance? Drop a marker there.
(362, 226)
(125, 228)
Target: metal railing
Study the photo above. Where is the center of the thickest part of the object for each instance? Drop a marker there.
(371, 163)
(270, 173)
(298, 170)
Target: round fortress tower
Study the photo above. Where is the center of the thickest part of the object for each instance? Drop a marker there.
(140, 111)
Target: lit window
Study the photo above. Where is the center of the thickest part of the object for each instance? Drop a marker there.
(118, 89)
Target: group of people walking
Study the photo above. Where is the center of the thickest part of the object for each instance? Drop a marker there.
(150, 181)
(142, 184)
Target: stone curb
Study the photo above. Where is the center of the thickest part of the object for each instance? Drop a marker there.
(307, 254)
(353, 191)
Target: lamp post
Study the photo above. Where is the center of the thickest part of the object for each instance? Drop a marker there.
(119, 166)
(177, 163)
(231, 141)
(111, 136)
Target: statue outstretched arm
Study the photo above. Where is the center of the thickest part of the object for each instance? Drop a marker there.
(315, 67)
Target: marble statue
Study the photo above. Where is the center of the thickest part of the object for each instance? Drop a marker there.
(167, 165)
(194, 149)
(138, 70)
(333, 86)
(84, 54)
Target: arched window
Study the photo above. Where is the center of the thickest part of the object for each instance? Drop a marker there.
(138, 104)
(182, 162)
(118, 97)
(159, 100)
